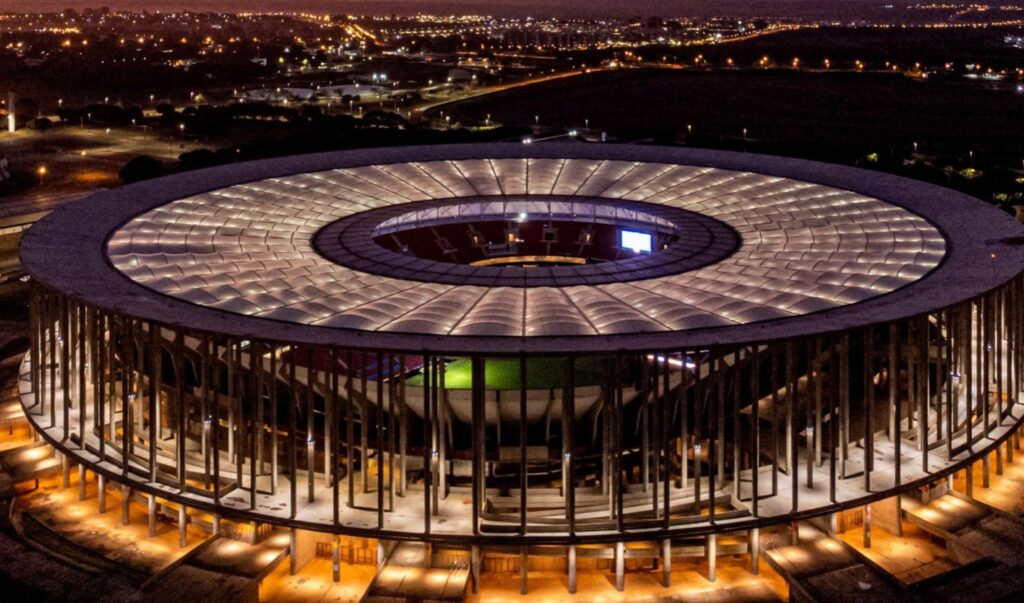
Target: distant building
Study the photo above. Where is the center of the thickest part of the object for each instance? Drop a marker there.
(460, 76)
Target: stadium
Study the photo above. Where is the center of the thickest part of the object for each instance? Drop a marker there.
(518, 356)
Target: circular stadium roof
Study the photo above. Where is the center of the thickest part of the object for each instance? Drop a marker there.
(698, 239)
(770, 248)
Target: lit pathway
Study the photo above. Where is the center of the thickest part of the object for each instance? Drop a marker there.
(220, 569)
(734, 582)
(973, 528)
(410, 575)
(821, 568)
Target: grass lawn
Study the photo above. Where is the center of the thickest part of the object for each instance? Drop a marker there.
(845, 112)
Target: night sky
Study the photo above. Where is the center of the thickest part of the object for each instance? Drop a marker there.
(802, 8)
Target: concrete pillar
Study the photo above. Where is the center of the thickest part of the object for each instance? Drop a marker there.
(182, 527)
(666, 562)
(335, 558)
(572, 569)
(474, 567)
(381, 553)
(302, 549)
(833, 524)
(755, 549)
(152, 516)
(985, 471)
(524, 568)
(887, 514)
(81, 482)
(712, 551)
(65, 471)
(216, 524)
(102, 494)
(293, 567)
(899, 517)
(999, 461)
(794, 533)
(620, 566)
(126, 502)
(867, 526)
(11, 102)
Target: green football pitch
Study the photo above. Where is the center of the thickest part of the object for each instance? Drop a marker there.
(503, 373)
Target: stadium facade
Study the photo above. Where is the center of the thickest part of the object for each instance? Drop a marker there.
(531, 350)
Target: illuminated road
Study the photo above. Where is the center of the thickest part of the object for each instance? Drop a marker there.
(17, 214)
(429, 106)
(23, 209)
(502, 87)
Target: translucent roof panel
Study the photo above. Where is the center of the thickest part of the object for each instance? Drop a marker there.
(804, 247)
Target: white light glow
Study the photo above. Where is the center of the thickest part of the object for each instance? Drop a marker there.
(635, 241)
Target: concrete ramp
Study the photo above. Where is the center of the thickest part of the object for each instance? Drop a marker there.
(977, 582)
(408, 576)
(822, 568)
(26, 463)
(11, 413)
(220, 569)
(972, 529)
